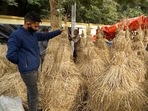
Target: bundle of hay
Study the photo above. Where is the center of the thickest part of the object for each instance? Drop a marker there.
(59, 83)
(61, 86)
(6, 83)
(139, 55)
(117, 89)
(89, 62)
(90, 65)
(138, 46)
(104, 50)
(12, 85)
(5, 65)
(134, 63)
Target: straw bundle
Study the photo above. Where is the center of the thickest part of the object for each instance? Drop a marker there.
(51, 51)
(117, 89)
(12, 85)
(10, 80)
(138, 40)
(140, 55)
(89, 62)
(134, 63)
(55, 18)
(5, 65)
(61, 86)
(50, 57)
(104, 50)
(6, 83)
(64, 93)
(119, 42)
(60, 79)
(92, 65)
(118, 99)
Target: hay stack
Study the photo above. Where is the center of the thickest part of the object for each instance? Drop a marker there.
(89, 62)
(117, 89)
(61, 88)
(138, 46)
(104, 50)
(12, 85)
(60, 79)
(91, 65)
(134, 63)
(5, 65)
(140, 55)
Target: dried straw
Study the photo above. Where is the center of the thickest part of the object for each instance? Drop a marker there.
(5, 65)
(61, 85)
(145, 39)
(55, 18)
(140, 55)
(106, 99)
(12, 85)
(104, 50)
(92, 65)
(117, 89)
(112, 89)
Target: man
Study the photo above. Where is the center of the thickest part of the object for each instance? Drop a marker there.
(76, 40)
(23, 50)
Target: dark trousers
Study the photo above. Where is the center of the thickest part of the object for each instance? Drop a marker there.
(30, 80)
(75, 54)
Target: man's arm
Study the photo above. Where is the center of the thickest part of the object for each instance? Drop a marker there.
(48, 35)
(13, 47)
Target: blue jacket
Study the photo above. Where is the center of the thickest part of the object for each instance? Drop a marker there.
(23, 48)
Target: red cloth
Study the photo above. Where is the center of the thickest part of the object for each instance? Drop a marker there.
(109, 31)
(132, 23)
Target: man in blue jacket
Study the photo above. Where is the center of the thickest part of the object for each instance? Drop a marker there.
(23, 50)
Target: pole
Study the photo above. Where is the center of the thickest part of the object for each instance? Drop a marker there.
(73, 19)
(73, 22)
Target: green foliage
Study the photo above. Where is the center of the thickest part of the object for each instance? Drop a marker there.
(34, 2)
(88, 11)
(132, 12)
(11, 2)
(109, 11)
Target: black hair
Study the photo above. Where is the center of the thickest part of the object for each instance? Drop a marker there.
(32, 17)
(77, 30)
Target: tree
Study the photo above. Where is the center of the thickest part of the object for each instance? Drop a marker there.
(21, 7)
(88, 11)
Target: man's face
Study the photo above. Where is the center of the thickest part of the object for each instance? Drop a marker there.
(32, 27)
(75, 32)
